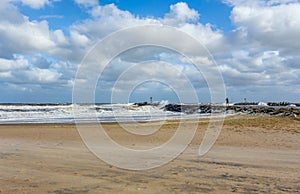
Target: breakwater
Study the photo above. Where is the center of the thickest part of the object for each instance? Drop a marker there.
(288, 110)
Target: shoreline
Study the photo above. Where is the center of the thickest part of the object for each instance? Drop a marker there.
(115, 122)
(201, 117)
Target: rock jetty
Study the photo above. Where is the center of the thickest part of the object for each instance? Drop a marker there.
(270, 108)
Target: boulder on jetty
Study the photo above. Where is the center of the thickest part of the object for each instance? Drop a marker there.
(141, 103)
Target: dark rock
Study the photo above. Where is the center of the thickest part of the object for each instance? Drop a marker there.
(141, 103)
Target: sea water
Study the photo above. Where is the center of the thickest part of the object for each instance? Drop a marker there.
(81, 113)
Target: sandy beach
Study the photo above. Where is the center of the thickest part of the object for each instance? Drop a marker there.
(253, 154)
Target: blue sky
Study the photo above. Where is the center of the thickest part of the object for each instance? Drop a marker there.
(254, 43)
(65, 13)
(212, 11)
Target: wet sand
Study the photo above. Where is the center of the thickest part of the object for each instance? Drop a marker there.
(253, 154)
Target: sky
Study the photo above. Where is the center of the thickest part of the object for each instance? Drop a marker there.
(255, 45)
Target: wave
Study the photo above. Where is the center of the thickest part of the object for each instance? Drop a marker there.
(71, 113)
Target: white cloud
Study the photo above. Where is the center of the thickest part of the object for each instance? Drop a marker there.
(159, 73)
(44, 76)
(10, 13)
(251, 69)
(20, 71)
(181, 13)
(187, 20)
(109, 18)
(87, 3)
(59, 37)
(256, 3)
(51, 16)
(5, 75)
(110, 10)
(33, 36)
(264, 49)
(20, 35)
(79, 39)
(35, 4)
(272, 26)
(18, 62)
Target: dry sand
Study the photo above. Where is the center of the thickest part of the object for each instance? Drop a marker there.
(252, 155)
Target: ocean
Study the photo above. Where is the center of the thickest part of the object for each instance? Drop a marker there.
(84, 113)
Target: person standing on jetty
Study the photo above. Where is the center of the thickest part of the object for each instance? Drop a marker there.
(227, 102)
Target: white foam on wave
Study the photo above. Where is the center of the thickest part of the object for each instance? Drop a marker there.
(64, 113)
(71, 113)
